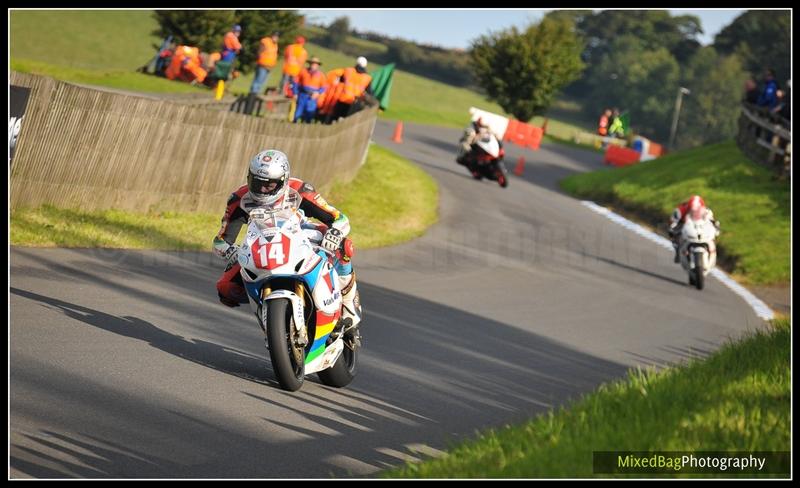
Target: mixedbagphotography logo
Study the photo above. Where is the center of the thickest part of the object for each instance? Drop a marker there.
(687, 462)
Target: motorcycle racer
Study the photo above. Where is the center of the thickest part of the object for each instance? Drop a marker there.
(694, 206)
(268, 184)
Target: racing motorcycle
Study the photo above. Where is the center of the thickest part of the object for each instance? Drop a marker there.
(696, 248)
(485, 160)
(293, 289)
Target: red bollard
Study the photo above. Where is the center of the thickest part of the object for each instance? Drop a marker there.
(398, 132)
(544, 127)
(520, 166)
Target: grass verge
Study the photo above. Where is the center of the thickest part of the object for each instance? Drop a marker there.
(736, 399)
(753, 206)
(389, 201)
(571, 143)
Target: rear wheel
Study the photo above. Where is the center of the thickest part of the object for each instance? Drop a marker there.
(344, 370)
(288, 359)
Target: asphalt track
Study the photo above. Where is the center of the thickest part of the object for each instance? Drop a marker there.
(124, 364)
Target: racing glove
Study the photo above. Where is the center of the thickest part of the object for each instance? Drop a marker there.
(231, 255)
(332, 240)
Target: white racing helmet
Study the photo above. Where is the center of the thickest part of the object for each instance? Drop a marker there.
(268, 176)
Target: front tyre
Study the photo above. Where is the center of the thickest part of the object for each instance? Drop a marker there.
(699, 277)
(282, 351)
(501, 179)
(344, 369)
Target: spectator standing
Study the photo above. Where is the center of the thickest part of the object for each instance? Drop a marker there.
(267, 58)
(616, 129)
(769, 97)
(311, 84)
(780, 102)
(231, 45)
(602, 124)
(750, 91)
(294, 57)
(356, 82)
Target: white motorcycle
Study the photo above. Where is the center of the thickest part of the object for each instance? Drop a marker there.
(293, 289)
(696, 248)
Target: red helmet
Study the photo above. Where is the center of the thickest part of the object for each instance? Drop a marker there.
(696, 207)
(696, 202)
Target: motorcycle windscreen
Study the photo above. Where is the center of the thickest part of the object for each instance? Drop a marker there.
(696, 214)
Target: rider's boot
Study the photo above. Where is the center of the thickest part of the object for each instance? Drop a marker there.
(673, 236)
(351, 304)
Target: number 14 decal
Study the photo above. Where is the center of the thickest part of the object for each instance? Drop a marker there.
(271, 255)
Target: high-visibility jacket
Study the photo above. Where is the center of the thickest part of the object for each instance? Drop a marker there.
(355, 84)
(181, 56)
(269, 53)
(309, 82)
(231, 43)
(616, 126)
(294, 58)
(328, 99)
(193, 70)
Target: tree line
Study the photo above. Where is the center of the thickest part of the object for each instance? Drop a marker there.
(637, 61)
(449, 66)
(205, 29)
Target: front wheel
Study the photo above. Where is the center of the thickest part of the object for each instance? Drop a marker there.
(288, 359)
(699, 277)
(501, 179)
(344, 370)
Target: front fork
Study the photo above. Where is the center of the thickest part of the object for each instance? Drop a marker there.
(693, 256)
(297, 301)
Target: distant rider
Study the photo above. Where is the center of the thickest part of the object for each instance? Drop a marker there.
(694, 206)
(471, 135)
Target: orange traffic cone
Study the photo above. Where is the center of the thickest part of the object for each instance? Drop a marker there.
(398, 132)
(544, 127)
(520, 166)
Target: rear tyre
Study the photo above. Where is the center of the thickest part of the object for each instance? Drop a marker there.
(343, 371)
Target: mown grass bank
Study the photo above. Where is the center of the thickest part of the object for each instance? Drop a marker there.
(737, 399)
(753, 206)
(389, 201)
